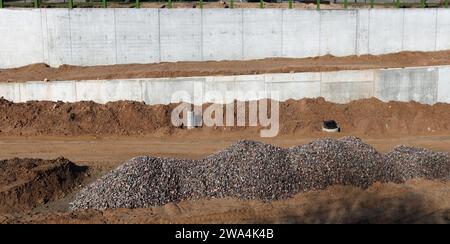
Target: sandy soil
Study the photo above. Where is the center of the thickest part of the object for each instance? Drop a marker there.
(297, 117)
(38, 72)
(106, 153)
(27, 183)
(418, 201)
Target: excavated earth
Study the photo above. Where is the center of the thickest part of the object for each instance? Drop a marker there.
(304, 117)
(27, 183)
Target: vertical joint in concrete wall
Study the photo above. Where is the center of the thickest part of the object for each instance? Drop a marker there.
(281, 31)
(70, 37)
(44, 34)
(403, 29)
(159, 35)
(436, 30)
(243, 39)
(357, 33)
(115, 35)
(201, 34)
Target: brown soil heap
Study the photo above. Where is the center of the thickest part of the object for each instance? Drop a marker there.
(26, 183)
(417, 201)
(40, 72)
(305, 117)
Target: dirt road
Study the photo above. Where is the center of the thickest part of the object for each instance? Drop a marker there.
(108, 152)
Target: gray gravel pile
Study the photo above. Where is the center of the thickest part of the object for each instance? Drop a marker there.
(326, 162)
(405, 163)
(252, 170)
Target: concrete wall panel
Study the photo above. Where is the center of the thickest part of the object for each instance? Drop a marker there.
(362, 38)
(348, 76)
(345, 86)
(301, 33)
(295, 89)
(419, 30)
(10, 91)
(338, 32)
(444, 85)
(48, 91)
(180, 34)
(166, 91)
(57, 39)
(250, 87)
(262, 33)
(222, 34)
(344, 92)
(225, 85)
(408, 85)
(443, 29)
(20, 37)
(297, 77)
(103, 91)
(137, 35)
(93, 36)
(385, 31)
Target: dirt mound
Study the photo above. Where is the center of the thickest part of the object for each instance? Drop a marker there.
(26, 183)
(40, 72)
(252, 170)
(297, 117)
(417, 201)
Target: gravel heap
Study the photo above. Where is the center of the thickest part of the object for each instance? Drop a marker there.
(253, 170)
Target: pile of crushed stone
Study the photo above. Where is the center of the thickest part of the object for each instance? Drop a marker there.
(253, 170)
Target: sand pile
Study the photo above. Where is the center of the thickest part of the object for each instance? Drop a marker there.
(252, 170)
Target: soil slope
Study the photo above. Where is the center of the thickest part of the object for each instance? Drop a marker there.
(40, 72)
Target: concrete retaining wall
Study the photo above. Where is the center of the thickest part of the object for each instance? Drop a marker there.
(120, 36)
(425, 85)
